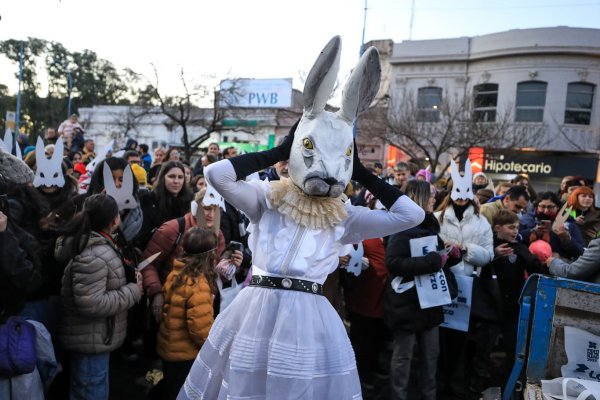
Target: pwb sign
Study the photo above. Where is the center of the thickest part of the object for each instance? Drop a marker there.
(256, 93)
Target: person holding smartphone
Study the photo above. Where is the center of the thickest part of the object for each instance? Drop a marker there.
(565, 240)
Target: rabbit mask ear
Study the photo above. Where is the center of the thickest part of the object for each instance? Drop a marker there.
(321, 78)
(461, 185)
(101, 155)
(213, 198)
(48, 172)
(124, 195)
(7, 144)
(362, 86)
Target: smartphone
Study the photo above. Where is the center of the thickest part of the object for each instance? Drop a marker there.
(4, 204)
(546, 224)
(233, 245)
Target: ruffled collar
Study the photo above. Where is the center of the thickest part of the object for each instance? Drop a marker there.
(308, 211)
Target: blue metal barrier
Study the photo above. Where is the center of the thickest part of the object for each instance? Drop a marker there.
(538, 306)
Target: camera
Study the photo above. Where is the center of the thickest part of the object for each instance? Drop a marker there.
(233, 245)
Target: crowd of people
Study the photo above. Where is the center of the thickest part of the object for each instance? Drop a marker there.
(127, 254)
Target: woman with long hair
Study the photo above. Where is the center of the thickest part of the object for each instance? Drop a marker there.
(159, 159)
(583, 210)
(95, 296)
(538, 224)
(188, 307)
(464, 228)
(169, 199)
(413, 327)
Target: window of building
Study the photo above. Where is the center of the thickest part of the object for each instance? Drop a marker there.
(531, 99)
(580, 96)
(485, 101)
(428, 102)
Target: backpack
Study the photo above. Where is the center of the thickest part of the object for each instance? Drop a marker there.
(17, 347)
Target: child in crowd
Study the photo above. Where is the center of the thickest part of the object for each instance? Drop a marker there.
(95, 296)
(188, 308)
(510, 271)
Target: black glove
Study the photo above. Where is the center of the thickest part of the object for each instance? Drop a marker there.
(247, 164)
(383, 191)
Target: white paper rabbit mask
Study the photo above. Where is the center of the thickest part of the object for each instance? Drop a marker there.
(461, 185)
(48, 172)
(123, 195)
(323, 149)
(7, 144)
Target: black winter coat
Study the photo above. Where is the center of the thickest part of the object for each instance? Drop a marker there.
(511, 274)
(402, 310)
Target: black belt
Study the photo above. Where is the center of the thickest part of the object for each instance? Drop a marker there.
(299, 285)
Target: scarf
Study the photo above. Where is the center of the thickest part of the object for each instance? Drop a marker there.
(308, 211)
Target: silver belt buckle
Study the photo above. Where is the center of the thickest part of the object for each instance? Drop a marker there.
(315, 287)
(286, 283)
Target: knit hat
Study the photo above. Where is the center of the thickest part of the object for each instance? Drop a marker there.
(80, 167)
(28, 150)
(541, 249)
(140, 174)
(425, 174)
(13, 170)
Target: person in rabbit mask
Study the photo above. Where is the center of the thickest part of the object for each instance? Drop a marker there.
(280, 338)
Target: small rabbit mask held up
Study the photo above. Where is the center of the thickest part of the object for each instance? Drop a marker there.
(321, 157)
(49, 172)
(461, 185)
(123, 195)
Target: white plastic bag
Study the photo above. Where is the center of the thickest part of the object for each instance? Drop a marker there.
(228, 294)
(432, 289)
(571, 389)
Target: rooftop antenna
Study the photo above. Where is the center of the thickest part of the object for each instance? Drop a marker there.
(412, 19)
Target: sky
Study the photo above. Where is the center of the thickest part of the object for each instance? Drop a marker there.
(261, 38)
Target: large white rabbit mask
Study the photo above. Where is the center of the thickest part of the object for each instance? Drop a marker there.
(123, 195)
(461, 185)
(323, 149)
(48, 172)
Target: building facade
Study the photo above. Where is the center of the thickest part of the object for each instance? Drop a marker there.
(545, 78)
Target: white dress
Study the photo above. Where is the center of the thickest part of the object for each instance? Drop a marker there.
(284, 344)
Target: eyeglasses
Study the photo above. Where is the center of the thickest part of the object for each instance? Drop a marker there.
(546, 207)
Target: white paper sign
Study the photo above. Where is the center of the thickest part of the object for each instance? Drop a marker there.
(458, 313)
(583, 351)
(432, 289)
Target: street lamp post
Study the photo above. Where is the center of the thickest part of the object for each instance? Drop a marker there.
(18, 116)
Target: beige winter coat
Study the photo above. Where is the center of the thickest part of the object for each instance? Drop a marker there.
(95, 298)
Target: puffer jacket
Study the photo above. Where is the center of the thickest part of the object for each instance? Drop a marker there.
(473, 232)
(164, 240)
(95, 298)
(187, 317)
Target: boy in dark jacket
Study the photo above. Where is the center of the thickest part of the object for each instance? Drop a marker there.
(510, 270)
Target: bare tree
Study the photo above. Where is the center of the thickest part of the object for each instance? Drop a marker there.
(182, 110)
(131, 120)
(450, 129)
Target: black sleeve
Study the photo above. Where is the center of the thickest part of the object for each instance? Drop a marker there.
(400, 263)
(20, 268)
(383, 191)
(249, 163)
